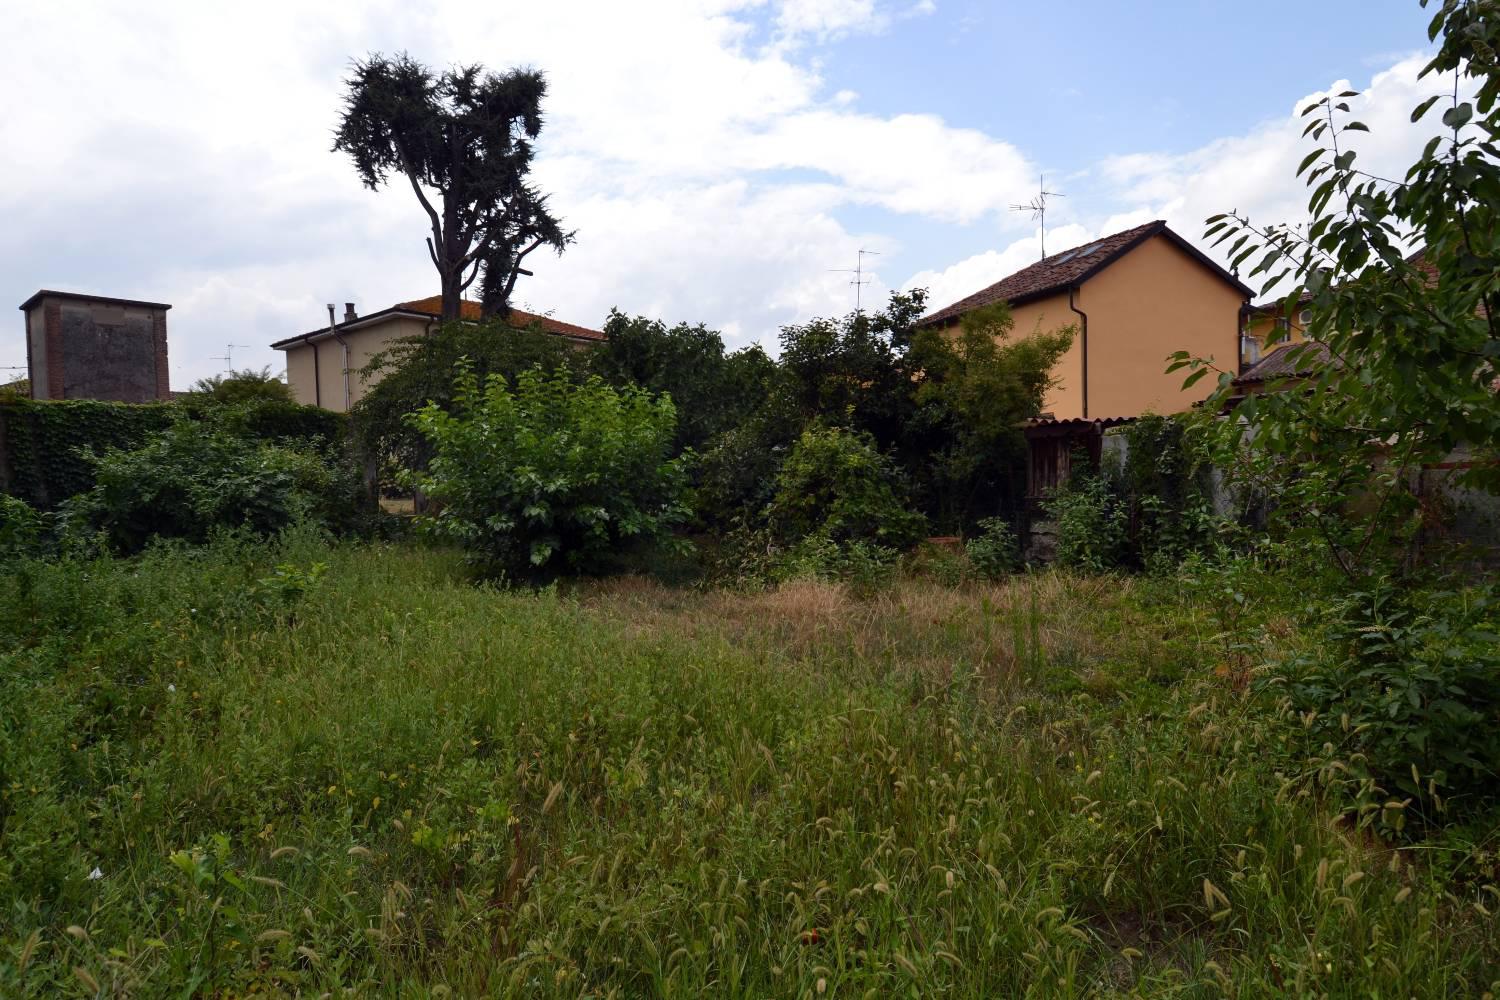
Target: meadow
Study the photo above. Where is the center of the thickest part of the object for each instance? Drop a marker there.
(306, 768)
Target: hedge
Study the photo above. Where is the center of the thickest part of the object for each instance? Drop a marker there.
(44, 444)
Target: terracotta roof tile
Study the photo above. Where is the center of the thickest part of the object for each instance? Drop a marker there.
(433, 306)
(1070, 267)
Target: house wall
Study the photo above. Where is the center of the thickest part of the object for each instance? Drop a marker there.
(299, 374)
(1049, 315)
(1151, 302)
(364, 343)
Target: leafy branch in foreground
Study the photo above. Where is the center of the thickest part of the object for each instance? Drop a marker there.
(1399, 374)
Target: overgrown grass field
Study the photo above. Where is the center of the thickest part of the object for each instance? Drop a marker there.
(224, 779)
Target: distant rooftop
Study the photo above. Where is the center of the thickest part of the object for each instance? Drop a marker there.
(81, 297)
(431, 308)
(1074, 266)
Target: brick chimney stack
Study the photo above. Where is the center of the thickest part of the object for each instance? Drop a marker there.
(349, 314)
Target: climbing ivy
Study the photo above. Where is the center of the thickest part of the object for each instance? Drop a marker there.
(45, 444)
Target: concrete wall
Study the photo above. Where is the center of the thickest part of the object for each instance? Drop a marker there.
(36, 354)
(299, 374)
(84, 349)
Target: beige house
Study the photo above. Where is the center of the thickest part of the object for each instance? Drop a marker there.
(323, 367)
(1134, 297)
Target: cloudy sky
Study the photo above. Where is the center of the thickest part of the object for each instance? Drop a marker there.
(719, 159)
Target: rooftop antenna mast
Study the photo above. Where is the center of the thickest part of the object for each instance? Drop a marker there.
(1038, 208)
(859, 280)
(228, 357)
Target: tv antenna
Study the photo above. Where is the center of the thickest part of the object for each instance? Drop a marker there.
(859, 281)
(228, 357)
(1038, 208)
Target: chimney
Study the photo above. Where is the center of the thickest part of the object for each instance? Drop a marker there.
(349, 314)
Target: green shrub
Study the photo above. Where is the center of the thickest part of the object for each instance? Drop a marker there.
(243, 387)
(551, 474)
(196, 477)
(282, 422)
(836, 485)
(994, 552)
(866, 567)
(48, 442)
(1091, 525)
(22, 528)
(1408, 690)
(1165, 484)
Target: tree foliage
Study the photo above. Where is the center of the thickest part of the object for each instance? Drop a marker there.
(973, 393)
(836, 486)
(468, 136)
(550, 474)
(1413, 338)
(243, 387)
(712, 388)
(416, 371)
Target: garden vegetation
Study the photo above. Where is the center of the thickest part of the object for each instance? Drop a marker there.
(668, 691)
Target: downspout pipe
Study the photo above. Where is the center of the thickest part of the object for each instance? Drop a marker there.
(317, 376)
(333, 328)
(1083, 339)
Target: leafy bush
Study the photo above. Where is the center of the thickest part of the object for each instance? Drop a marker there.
(49, 443)
(196, 477)
(1165, 481)
(243, 387)
(551, 473)
(737, 474)
(994, 552)
(1409, 689)
(1091, 525)
(21, 527)
(836, 485)
(866, 567)
(415, 371)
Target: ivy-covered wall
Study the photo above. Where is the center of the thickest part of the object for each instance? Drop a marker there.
(44, 444)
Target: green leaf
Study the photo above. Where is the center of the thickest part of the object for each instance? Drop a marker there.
(1423, 108)
(1310, 159)
(1458, 116)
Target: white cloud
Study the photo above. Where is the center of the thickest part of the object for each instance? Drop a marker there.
(957, 281)
(829, 19)
(694, 144)
(700, 161)
(1253, 173)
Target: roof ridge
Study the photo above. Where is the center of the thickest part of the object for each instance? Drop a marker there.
(1071, 267)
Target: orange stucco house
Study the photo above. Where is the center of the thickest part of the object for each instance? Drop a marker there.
(1134, 298)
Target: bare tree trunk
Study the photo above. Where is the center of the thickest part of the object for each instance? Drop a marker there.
(452, 295)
